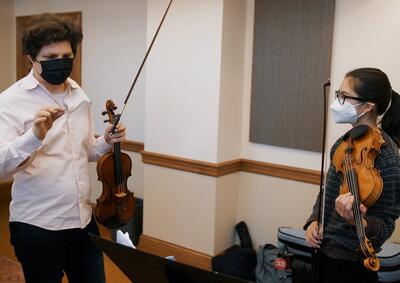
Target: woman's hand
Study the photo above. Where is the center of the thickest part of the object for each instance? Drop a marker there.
(344, 207)
(312, 235)
(118, 136)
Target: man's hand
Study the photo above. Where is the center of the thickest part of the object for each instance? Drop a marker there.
(312, 235)
(344, 207)
(118, 136)
(44, 119)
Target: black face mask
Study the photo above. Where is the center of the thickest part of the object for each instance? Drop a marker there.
(56, 71)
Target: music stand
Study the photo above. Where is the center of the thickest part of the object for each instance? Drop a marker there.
(142, 267)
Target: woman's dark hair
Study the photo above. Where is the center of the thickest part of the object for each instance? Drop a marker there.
(45, 29)
(374, 85)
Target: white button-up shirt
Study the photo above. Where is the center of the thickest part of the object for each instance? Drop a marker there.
(52, 189)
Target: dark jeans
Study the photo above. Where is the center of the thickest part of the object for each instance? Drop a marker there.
(45, 255)
(343, 271)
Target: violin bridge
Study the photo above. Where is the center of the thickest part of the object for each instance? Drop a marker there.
(120, 195)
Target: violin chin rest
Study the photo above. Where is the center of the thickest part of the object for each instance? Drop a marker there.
(356, 132)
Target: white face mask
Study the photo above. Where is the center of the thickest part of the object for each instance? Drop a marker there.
(344, 113)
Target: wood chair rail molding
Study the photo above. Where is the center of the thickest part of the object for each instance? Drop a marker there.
(223, 168)
(133, 146)
(232, 166)
(190, 165)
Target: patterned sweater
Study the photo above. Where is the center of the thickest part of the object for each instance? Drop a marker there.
(340, 238)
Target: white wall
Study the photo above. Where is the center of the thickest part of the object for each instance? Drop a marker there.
(179, 207)
(231, 89)
(365, 34)
(113, 46)
(7, 44)
(182, 87)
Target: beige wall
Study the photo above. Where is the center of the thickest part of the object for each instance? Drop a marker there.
(7, 47)
(182, 79)
(179, 207)
(231, 76)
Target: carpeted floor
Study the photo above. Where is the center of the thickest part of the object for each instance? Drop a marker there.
(10, 271)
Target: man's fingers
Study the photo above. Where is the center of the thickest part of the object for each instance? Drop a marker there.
(39, 120)
(117, 135)
(120, 128)
(42, 113)
(58, 114)
(116, 140)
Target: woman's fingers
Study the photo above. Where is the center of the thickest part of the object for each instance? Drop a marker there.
(312, 236)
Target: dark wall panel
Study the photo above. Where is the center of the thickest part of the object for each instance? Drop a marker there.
(291, 61)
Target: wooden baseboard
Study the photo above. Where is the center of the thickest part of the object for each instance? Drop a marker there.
(181, 254)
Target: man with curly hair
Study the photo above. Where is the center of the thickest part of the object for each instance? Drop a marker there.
(46, 144)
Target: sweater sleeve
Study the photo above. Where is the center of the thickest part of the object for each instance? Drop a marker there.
(314, 214)
(381, 216)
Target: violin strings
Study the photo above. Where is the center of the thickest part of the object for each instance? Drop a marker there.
(118, 168)
(355, 211)
(351, 181)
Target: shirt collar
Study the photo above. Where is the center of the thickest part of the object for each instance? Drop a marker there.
(30, 82)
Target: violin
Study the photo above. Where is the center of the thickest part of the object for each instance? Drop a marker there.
(354, 158)
(116, 204)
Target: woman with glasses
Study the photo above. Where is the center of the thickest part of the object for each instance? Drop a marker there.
(365, 97)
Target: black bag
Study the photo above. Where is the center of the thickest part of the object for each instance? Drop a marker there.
(237, 261)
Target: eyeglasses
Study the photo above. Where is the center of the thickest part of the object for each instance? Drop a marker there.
(340, 95)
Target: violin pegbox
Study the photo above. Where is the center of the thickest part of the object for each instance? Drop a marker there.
(110, 108)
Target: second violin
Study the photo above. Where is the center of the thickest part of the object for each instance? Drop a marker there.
(354, 158)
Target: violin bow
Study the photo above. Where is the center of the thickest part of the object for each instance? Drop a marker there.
(321, 208)
(118, 116)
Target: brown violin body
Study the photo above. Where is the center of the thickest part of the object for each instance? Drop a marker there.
(116, 204)
(365, 150)
(354, 158)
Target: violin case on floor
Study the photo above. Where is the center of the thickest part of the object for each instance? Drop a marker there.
(293, 240)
